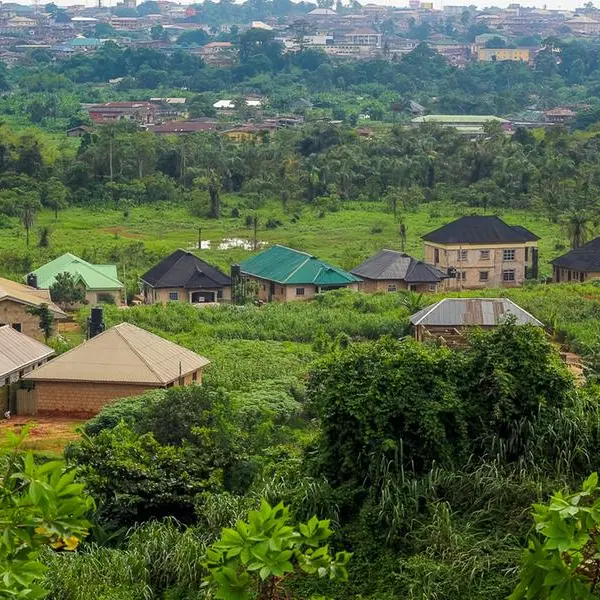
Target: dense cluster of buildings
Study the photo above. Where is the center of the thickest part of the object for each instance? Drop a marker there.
(355, 32)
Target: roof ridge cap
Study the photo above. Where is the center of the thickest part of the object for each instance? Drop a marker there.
(136, 352)
(298, 267)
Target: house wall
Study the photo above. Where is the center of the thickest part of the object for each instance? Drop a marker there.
(562, 275)
(450, 256)
(154, 296)
(12, 312)
(372, 286)
(87, 399)
(92, 297)
(287, 293)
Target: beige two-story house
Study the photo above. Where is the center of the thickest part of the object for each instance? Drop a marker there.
(483, 251)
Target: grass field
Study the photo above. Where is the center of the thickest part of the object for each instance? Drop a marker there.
(137, 239)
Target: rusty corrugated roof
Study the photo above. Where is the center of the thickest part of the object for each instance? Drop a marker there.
(123, 354)
(458, 312)
(18, 351)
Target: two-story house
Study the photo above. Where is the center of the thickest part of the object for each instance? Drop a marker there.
(483, 251)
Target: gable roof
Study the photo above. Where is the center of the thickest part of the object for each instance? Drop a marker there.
(458, 312)
(122, 354)
(24, 294)
(288, 266)
(18, 351)
(182, 269)
(480, 229)
(585, 258)
(94, 277)
(390, 264)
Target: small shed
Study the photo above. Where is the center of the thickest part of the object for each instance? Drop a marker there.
(448, 319)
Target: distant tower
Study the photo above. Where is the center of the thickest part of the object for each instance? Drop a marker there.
(100, 4)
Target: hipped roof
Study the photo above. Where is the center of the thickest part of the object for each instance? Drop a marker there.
(183, 269)
(586, 258)
(24, 294)
(390, 264)
(292, 267)
(94, 277)
(18, 351)
(122, 354)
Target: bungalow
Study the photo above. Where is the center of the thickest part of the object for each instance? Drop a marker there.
(390, 271)
(449, 319)
(19, 354)
(580, 264)
(124, 360)
(15, 301)
(99, 281)
(283, 275)
(183, 277)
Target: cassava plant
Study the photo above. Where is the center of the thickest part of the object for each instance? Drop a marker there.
(562, 560)
(257, 558)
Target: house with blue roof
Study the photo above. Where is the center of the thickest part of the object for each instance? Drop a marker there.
(284, 275)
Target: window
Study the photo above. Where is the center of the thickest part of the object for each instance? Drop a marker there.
(526, 254)
(195, 376)
(391, 287)
(174, 296)
(484, 255)
(219, 293)
(461, 275)
(463, 255)
(436, 256)
(483, 275)
(432, 287)
(508, 255)
(299, 291)
(508, 275)
(16, 326)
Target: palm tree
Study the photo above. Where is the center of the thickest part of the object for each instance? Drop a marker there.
(28, 208)
(412, 302)
(579, 226)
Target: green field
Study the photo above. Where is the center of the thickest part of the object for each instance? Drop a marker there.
(345, 237)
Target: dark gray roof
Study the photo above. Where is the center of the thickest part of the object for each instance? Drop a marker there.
(183, 269)
(480, 229)
(390, 264)
(458, 312)
(585, 258)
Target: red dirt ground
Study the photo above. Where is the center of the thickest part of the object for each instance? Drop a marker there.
(46, 434)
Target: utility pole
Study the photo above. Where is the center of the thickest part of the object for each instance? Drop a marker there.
(255, 231)
(199, 238)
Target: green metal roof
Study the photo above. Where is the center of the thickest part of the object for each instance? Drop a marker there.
(84, 42)
(458, 119)
(292, 267)
(93, 277)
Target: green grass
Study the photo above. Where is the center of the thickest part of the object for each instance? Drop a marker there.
(147, 233)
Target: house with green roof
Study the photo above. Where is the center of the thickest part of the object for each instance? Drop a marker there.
(100, 282)
(472, 125)
(284, 275)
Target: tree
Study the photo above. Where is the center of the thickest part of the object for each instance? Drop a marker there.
(562, 558)
(66, 291)
(256, 558)
(29, 206)
(578, 224)
(158, 32)
(46, 319)
(54, 195)
(40, 506)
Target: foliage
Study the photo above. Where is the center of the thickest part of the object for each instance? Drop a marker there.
(561, 560)
(40, 506)
(66, 291)
(254, 559)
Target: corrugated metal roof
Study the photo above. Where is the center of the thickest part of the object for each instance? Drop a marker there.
(457, 312)
(94, 277)
(123, 354)
(18, 351)
(292, 267)
(11, 290)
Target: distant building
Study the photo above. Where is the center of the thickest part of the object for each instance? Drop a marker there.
(473, 125)
(322, 12)
(559, 115)
(580, 264)
(184, 127)
(500, 54)
(583, 24)
(483, 251)
(142, 112)
(363, 37)
(391, 271)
